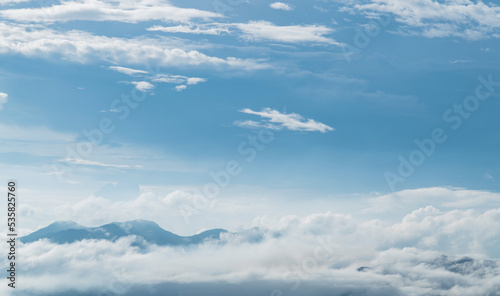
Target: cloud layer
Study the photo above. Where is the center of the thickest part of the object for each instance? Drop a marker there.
(424, 253)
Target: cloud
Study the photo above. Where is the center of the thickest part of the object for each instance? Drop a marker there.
(180, 87)
(267, 31)
(120, 11)
(10, 2)
(280, 5)
(259, 31)
(80, 46)
(177, 79)
(442, 197)
(143, 86)
(195, 80)
(14, 133)
(127, 71)
(93, 163)
(3, 99)
(318, 254)
(276, 120)
(207, 29)
(454, 18)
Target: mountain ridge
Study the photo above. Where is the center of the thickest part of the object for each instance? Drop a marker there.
(62, 232)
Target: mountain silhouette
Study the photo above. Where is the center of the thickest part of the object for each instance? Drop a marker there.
(148, 231)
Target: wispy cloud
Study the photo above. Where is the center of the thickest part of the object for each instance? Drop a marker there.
(178, 79)
(33, 134)
(272, 119)
(260, 31)
(207, 29)
(93, 163)
(281, 6)
(127, 71)
(263, 30)
(3, 99)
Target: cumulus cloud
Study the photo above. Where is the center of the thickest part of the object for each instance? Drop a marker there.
(132, 11)
(96, 210)
(3, 99)
(454, 18)
(143, 86)
(82, 47)
(280, 5)
(180, 87)
(446, 249)
(427, 252)
(273, 119)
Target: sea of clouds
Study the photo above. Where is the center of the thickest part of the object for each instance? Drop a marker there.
(428, 252)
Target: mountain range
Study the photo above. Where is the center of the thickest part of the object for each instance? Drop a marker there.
(62, 232)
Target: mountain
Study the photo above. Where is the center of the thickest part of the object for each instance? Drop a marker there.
(52, 228)
(69, 232)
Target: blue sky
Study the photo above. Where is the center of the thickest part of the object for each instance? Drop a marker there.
(356, 138)
(345, 88)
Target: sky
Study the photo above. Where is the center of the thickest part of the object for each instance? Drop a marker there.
(343, 90)
(227, 113)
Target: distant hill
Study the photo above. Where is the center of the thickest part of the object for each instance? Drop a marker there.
(69, 232)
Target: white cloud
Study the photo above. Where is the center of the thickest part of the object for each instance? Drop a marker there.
(267, 31)
(178, 79)
(143, 86)
(180, 87)
(130, 11)
(3, 99)
(127, 71)
(207, 29)
(442, 197)
(82, 47)
(195, 80)
(452, 18)
(280, 5)
(258, 31)
(422, 254)
(90, 162)
(276, 120)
